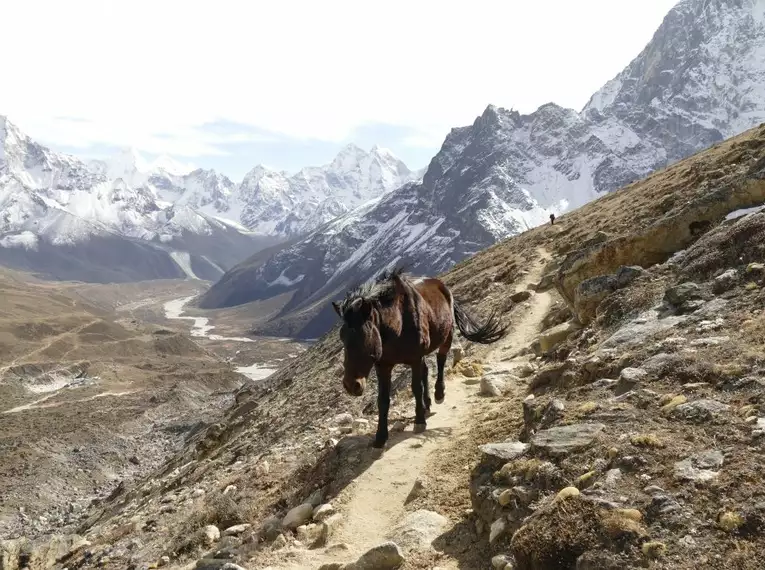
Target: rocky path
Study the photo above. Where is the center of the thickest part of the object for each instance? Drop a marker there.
(373, 506)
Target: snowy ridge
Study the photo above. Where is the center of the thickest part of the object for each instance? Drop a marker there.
(507, 172)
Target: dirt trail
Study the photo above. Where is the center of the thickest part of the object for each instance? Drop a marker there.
(374, 503)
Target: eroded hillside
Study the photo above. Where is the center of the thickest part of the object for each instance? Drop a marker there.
(618, 425)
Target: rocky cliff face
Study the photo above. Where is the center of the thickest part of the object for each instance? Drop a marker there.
(698, 81)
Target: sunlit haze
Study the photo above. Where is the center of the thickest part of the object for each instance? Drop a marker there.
(229, 84)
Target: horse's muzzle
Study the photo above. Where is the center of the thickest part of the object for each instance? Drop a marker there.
(355, 387)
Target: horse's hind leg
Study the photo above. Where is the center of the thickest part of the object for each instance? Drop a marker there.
(425, 387)
(443, 352)
(419, 397)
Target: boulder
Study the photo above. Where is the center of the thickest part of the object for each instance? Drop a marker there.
(626, 274)
(725, 281)
(563, 440)
(555, 335)
(492, 386)
(700, 410)
(418, 530)
(589, 294)
(323, 512)
(680, 294)
(386, 556)
(498, 454)
(298, 516)
(629, 379)
(520, 296)
(701, 467)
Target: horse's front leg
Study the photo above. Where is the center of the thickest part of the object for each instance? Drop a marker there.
(383, 405)
(443, 352)
(419, 397)
(425, 388)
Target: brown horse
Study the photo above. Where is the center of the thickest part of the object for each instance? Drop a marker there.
(397, 320)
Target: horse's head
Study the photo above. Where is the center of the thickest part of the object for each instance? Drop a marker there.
(362, 344)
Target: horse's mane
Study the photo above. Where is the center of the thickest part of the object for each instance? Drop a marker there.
(380, 289)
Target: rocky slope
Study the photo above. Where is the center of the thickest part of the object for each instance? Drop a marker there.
(627, 441)
(698, 81)
(66, 220)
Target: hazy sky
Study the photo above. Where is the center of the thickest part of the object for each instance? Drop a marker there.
(229, 84)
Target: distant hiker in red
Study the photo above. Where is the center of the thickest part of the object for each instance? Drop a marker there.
(552, 219)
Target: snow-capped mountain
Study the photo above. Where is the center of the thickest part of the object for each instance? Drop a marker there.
(104, 222)
(276, 203)
(700, 79)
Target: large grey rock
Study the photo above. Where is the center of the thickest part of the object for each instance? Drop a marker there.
(386, 556)
(418, 530)
(700, 410)
(725, 281)
(555, 335)
(298, 516)
(563, 440)
(589, 294)
(677, 295)
(629, 379)
(701, 467)
(626, 274)
(493, 386)
(501, 453)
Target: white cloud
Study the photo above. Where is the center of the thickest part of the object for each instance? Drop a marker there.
(150, 74)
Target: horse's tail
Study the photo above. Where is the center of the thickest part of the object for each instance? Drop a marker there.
(489, 332)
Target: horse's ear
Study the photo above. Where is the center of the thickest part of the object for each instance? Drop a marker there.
(398, 283)
(336, 306)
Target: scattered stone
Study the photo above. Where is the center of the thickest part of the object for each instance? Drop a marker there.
(271, 528)
(629, 379)
(626, 274)
(386, 556)
(589, 294)
(457, 354)
(505, 497)
(501, 453)
(520, 296)
(725, 281)
(197, 493)
(524, 495)
(525, 370)
(682, 293)
(345, 419)
(316, 498)
(164, 561)
(560, 441)
(710, 341)
(500, 562)
(298, 516)
(554, 336)
(398, 426)
(418, 530)
(313, 535)
(211, 534)
(492, 386)
(360, 426)
(700, 410)
(498, 528)
(701, 467)
(323, 512)
(262, 469)
(229, 490)
(236, 530)
(613, 476)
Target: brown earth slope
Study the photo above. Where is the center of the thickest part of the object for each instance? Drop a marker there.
(625, 402)
(89, 397)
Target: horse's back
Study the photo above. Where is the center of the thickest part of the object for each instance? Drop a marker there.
(435, 293)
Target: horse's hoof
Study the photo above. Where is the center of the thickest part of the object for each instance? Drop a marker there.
(378, 444)
(439, 400)
(419, 428)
